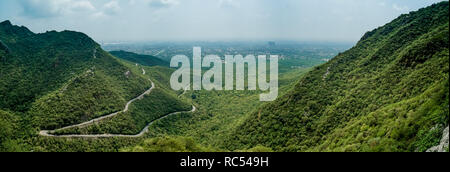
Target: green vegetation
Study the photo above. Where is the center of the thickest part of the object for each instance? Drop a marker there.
(257, 148)
(168, 144)
(403, 126)
(180, 144)
(384, 94)
(219, 113)
(56, 79)
(8, 128)
(38, 63)
(140, 114)
(62, 78)
(45, 144)
(388, 93)
(145, 60)
(103, 92)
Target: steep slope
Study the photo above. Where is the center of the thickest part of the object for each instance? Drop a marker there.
(31, 60)
(161, 100)
(56, 79)
(62, 78)
(145, 60)
(384, 94)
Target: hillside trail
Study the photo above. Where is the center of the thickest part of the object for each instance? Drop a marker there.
(47, 133)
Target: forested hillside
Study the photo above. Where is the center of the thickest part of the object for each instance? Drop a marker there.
(56, 79)
(145, 60)
(387, 93)
(54, 62)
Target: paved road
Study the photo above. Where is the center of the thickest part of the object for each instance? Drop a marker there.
(47, 133)
(145, 130)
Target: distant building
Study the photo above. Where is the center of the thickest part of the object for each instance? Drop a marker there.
(272, 43)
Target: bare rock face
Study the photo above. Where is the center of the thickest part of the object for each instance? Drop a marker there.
(443, 146)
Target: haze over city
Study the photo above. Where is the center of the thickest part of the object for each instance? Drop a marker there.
(178, 20)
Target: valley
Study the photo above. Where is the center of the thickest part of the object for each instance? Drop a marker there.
(64, 92)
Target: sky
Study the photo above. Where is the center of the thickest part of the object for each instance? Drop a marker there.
(209, 20)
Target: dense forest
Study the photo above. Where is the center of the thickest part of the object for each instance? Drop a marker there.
(388, 93)
(56, 79)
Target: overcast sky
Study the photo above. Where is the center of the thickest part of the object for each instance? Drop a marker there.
(172, 20)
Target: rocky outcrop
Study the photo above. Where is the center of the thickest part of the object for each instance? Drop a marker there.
(127, 74)
(443, 146)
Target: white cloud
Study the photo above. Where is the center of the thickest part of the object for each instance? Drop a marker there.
(163, 3)
(131, 2)
(229, 3)
(327, 20)
(51, 8)
(400, 8)
(111, 8)
(82, 6)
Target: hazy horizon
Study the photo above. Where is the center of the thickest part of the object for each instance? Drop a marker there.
(213, 20)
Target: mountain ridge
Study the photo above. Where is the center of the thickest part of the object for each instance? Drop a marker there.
(51, 66)
(146, 60)
(391, 64)
(55, 79)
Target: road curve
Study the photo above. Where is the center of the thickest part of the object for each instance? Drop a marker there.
(47, 133)
(185, 90)
(145, 130)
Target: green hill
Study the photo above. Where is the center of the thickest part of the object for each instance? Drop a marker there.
(145, 60)
(56, 79)
(42, 66)
(62, 78)
(384, 94)
(389, 92)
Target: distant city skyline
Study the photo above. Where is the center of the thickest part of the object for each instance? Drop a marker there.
(209, 20)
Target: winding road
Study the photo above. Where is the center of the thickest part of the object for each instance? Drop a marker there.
(47, 133)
